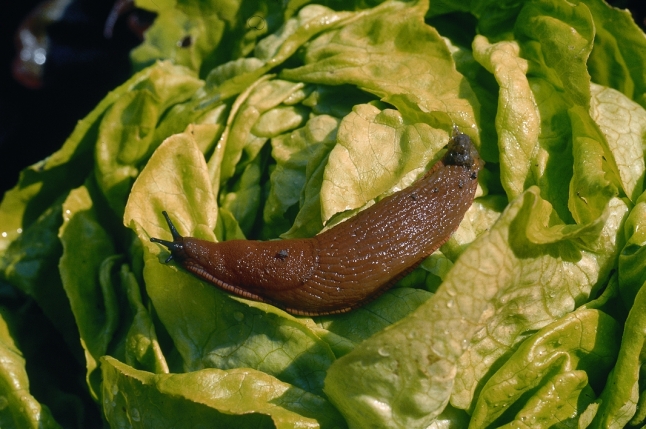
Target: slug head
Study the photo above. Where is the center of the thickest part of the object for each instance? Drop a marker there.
(176, 247)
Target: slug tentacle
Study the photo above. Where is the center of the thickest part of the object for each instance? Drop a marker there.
(351, 263)
(173, 230)
(176, 246)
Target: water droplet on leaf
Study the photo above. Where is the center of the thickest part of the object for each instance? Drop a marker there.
(134, 413)
(383, 352)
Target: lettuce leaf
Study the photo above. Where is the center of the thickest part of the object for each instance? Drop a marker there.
(619, 400)
(274, 120)
(209, 397)
(18, 408)
(559, 365)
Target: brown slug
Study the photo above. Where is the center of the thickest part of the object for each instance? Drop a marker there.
(351, 263)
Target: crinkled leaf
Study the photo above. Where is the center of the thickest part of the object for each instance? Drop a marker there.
(127, 129)
(271, 51)
(618, 401)
(552, 265)
(86, 247)
(30, 263)
(554, 365)
(18, 408)
(242, 144)
(590, 189)
(274, 49)
(632, 259)
(296, 155)
(376, 151)
(558, 37)
(623, 124)
(211, 398)
(558, 94)
(483, 83)
(617, 59)
(385, 66)
(517, 119)
(188, 39)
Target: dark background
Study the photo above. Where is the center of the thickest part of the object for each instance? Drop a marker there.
(81, 68)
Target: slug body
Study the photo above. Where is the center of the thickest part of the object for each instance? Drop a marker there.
(351, 263)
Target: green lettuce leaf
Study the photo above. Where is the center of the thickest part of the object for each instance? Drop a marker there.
(209, 398)
(86, 245)
(18, 408)
(29, 268)
(267, 120)
(536, 279)
(632, 260)
(558, 366)
(616, 60)
(619, 400)
(386, 68)
(518, 122)
(122, 148)
(375, 152)
(243, 144)
(622, 121)
(296, 155)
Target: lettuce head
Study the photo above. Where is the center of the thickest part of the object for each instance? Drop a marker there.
(273, 120)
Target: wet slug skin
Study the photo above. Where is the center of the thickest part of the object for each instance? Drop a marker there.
(351, 263)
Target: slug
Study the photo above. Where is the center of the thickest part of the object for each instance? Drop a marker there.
(353, 262)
